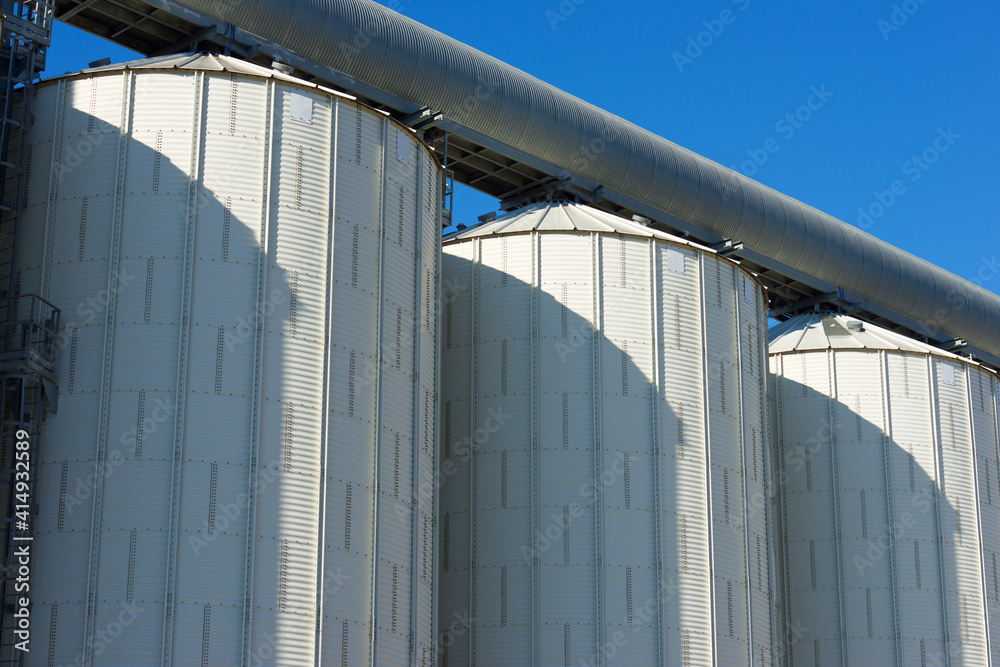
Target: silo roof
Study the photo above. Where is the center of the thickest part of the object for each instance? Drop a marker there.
(834, 331)
(207, 62)
(565, 216)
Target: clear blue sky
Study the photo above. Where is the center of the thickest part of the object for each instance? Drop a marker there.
(896, 86)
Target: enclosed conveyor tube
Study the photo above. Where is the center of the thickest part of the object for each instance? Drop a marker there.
(381, 48)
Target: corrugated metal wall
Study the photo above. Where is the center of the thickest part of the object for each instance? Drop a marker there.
(603, 455)
(887, 550)
(243, 395)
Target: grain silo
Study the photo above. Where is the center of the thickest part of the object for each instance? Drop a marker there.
(603, 448)
(888, 555)
(247, 269)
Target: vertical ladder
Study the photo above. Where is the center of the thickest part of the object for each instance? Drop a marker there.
(25, 34)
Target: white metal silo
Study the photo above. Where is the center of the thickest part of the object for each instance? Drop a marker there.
(888, 452)
(603, 464)
(247, 266)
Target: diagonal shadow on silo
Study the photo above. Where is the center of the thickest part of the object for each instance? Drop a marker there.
(541, 493)
(908, 575)
(133, 487)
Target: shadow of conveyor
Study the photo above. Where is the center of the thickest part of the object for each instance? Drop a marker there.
(556, 533)
(870, 570)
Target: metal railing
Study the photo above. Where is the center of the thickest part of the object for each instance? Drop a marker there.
(29, 324)
(31, 19)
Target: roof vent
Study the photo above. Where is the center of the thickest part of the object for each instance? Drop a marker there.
(103, 62)
(855, 326)
(283, 68)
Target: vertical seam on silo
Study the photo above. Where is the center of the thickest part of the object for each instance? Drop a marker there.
(655, 321)
(213, 490)
(778, 609)
(868, 613)
(50, 203)
(105, 394)
(206, 633)
(227, 219)
(64, 500)
(738, 307)
(938, 489)
(536, 252)
(995, 396)
(130, 578)
(705, 410)
(890, 498)
(598, 307)
(53, 633)
(438, 356)
(157, 161)
(831, 364)
(147, 309)
(180, 388)
(82, 239)
(477, 253)
(140, 424)
(26, 179)
(916, 565)
(418, 414)
(283, 576)
(976, 505)
(785, 579)
(380, 334)
(325, 415)
(254, 445)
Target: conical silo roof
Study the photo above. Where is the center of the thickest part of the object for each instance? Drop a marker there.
(834, 331)
(565, 216)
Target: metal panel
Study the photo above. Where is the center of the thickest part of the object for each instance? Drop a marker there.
(590, 498)
(188, 313)
(906, 435)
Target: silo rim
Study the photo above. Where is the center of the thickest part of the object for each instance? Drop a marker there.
(806, 333)
(581, 219)
(204, 62)
(217, 63)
